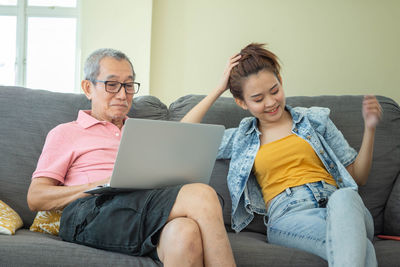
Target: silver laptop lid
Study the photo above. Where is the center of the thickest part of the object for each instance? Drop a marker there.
(155, 153)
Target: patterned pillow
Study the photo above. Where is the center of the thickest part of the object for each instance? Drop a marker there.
(47, 222)
(9, 220)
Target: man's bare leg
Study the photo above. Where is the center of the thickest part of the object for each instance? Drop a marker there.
(180, 244)
(199, 203)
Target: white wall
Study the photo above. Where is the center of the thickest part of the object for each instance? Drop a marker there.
(180, 47)
(326, 47)
(120, 24)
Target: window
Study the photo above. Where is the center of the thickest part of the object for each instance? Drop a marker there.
(39, 47)
(8, 32)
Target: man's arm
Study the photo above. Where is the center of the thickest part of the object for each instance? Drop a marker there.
(46, 194)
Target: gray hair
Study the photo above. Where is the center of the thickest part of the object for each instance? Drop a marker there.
(92, 63)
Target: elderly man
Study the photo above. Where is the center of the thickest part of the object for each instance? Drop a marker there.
(181, 225)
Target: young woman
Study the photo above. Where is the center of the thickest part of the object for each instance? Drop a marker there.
(306, 173)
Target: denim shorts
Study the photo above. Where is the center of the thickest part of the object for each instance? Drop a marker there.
(128, 223)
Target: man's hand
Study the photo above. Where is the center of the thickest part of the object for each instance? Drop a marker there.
(101, 182)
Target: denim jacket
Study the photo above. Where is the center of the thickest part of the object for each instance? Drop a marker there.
(241, 146)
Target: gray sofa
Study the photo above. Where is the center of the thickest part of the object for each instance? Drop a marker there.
(27, 115)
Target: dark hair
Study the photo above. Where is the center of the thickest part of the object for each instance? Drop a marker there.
(254, 59)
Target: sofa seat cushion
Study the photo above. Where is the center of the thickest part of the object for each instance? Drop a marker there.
(387, 252)
(392, 210)
(27, 248)
(251, 249)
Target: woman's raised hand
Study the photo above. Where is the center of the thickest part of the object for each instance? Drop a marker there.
(372, 111)
(232, 62)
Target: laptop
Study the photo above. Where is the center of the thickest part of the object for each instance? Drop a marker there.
(154, 154)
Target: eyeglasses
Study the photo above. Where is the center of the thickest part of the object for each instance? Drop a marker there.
(114, 86)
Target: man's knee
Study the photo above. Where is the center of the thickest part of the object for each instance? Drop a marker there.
(202, 198)
(202, 191)
(181, 238)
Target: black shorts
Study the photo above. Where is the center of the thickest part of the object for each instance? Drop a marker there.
(128, 223)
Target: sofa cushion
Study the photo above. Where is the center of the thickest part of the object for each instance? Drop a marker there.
(224, 111)
(10, 221)
(47, 222)
(251, 249)
(387, 252)
(27, 248)
(392, 211)
(26, 116)
(347, 116)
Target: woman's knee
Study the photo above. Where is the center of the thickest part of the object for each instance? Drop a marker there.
(344, 196)
(181, 238)
(344, 202)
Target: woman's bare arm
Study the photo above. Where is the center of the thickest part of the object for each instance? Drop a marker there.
(372, 113)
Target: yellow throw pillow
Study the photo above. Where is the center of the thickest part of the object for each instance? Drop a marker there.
(9, 220)
(47, 222)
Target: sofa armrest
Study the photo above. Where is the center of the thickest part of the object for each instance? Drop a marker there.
(392, 211)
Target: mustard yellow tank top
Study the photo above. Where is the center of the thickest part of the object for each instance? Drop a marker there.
(288, 162)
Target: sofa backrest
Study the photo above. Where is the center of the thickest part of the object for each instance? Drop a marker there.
(347, 116)
(26, 116)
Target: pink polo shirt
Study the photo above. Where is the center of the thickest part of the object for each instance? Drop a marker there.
(79, 152)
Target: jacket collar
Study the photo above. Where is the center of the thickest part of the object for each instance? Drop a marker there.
(253, 126)
(296, 114)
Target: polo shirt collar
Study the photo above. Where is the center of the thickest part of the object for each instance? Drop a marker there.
(86, 120)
